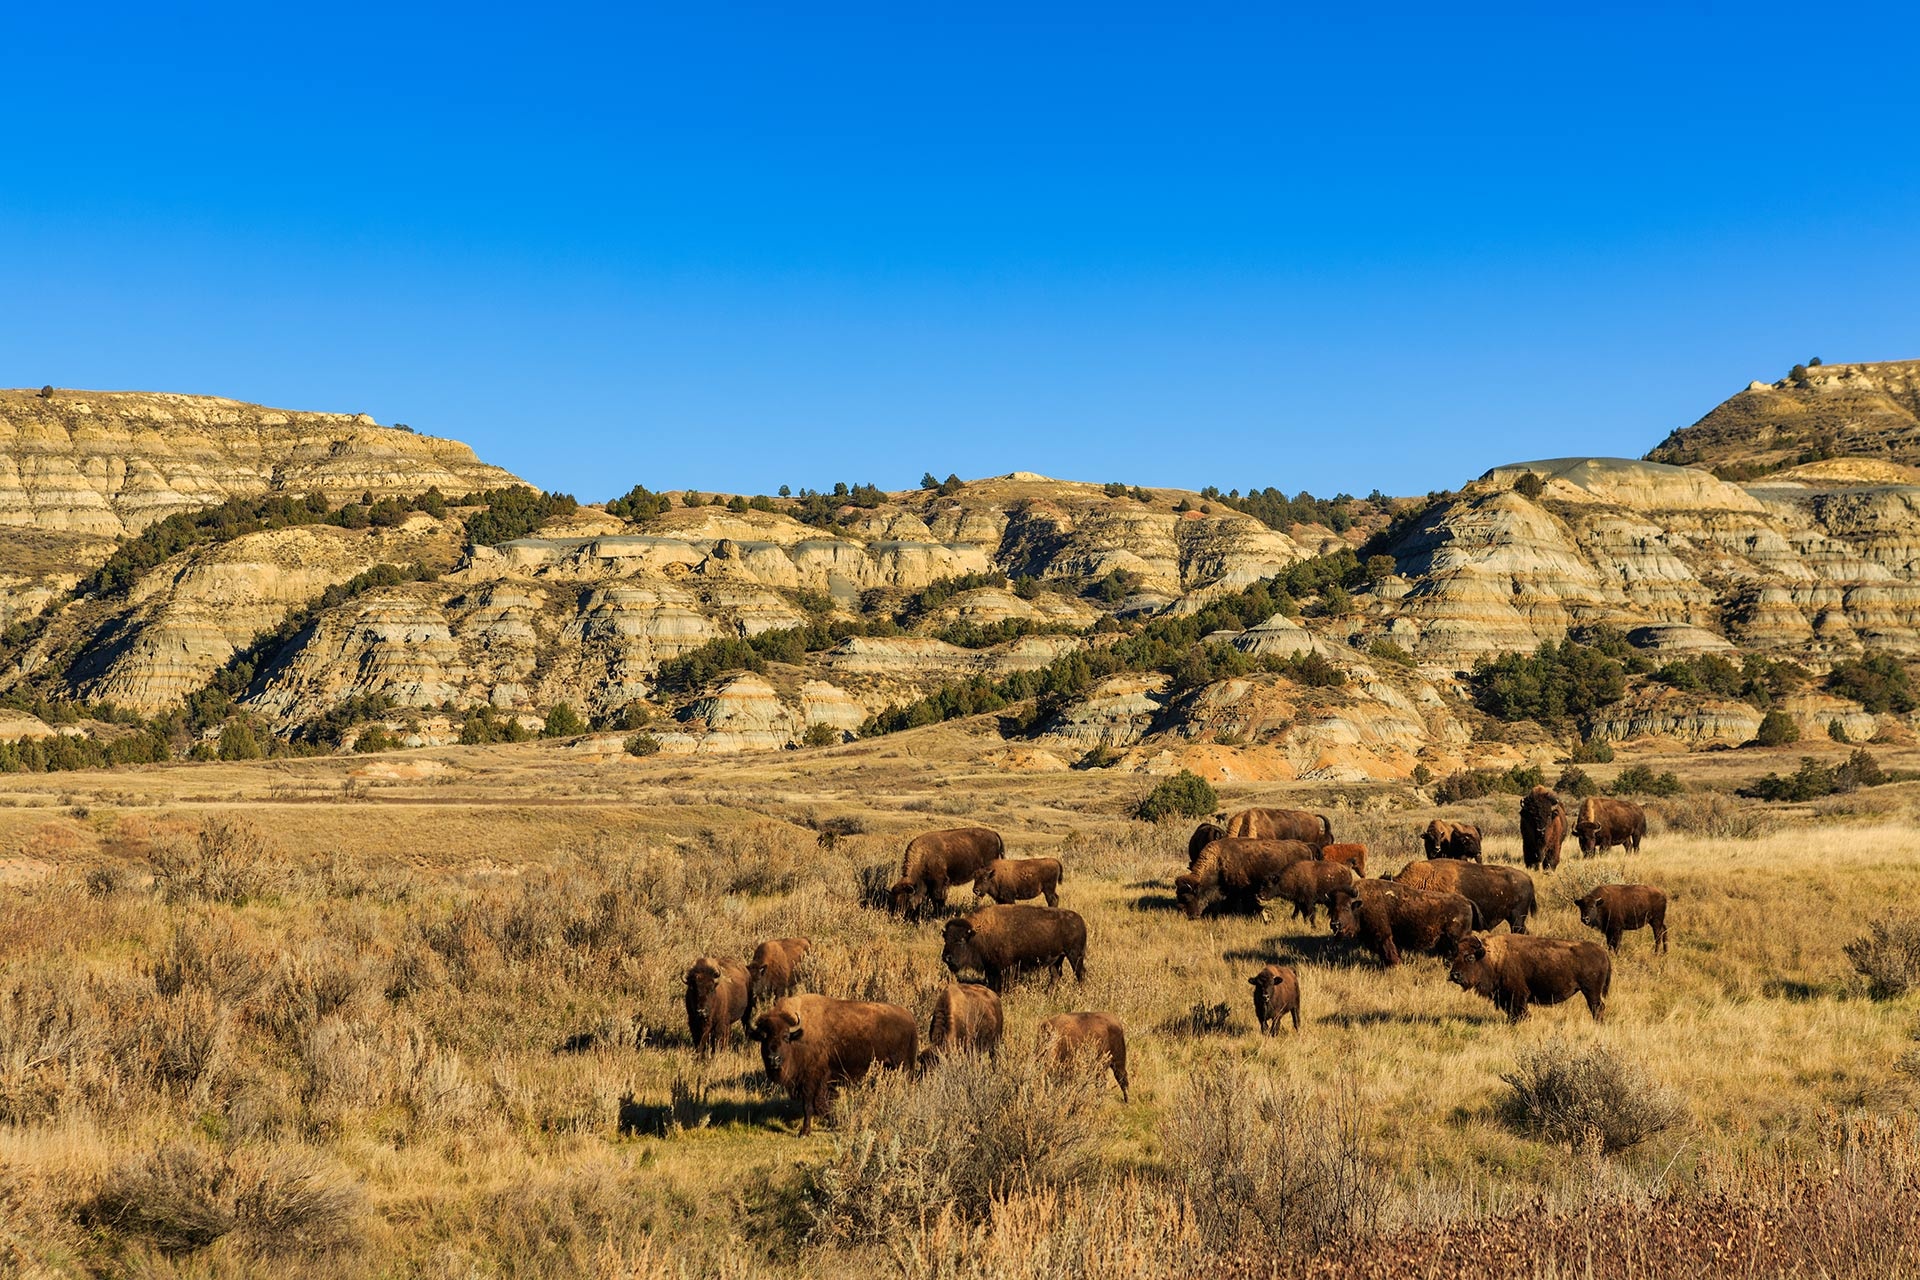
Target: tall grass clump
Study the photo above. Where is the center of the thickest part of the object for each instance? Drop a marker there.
(1582, 1095)
(1259, 1158)
(970, 1132)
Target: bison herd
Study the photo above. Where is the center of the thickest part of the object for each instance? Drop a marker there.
(1446, 905)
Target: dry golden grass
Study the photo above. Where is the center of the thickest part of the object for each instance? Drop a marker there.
(345, 1005)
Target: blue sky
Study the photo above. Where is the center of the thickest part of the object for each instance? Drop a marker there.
(1233, 245)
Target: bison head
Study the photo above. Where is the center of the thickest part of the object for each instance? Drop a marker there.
(1434, 838)
(703, 982)
(1590, 909)
(758, 987)
(1589, 833)
(776, 1029)
(960, 952)
(1187, 891)
(904, 898)
(1469, 970)
(1342, 921)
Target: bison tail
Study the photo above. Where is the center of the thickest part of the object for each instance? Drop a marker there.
(1326, 828)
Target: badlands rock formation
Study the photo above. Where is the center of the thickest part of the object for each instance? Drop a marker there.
(1862, 411)
(111, 462)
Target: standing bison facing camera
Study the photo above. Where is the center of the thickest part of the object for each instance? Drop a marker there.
(938, 860)
(1517, 970)
(1605, 823)
(810, 1043)
(1543, 829)
(1000, 942)
(1276, 994)
(717, 997)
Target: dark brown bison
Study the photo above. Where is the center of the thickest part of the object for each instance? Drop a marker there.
(775, 967)
(1497, 893)
(1096, 1034)
(1347, 855)
(810, 1043)
(1543, 829)
(938, 860)
(1517, 970)
(1017, 879)
(1311, 883)
(1605, 823)
(1203, 835)
(1281, 824)
(1000, 942)
(1390, 918)
(1615, 908)
(717, 992)
(966, 1019)
(1443, 839)
(1243, 871)
(1276, 992)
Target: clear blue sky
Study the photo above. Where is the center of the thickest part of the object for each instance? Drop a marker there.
(734, 248)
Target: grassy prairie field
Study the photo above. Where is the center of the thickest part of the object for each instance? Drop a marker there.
(375, 1017)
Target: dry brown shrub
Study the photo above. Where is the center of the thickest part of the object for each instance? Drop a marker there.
(188, 1042)
(1716, 816)
(291, 1202)
(228, 860)
(176, 1199)
(1261, 1158)
(52, 1035)
(1887, 955)
(971, 1131)
(280, 1204)
(1578, 1095)
(215, 950)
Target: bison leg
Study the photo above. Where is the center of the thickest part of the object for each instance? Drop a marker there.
(1596, 1003)
(1517, 922)
(1296, 1017)
(1613, 938)
(1079, 961)
(1053, 896)
(1389, 954)
(1660, 933)
(1120, 1076)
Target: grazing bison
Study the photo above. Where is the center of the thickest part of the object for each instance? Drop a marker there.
(775, 967)
(1605, 823)
(1000, 942)
(938, 860)
(1390, 917)
(717, 992)
(1497, 893)
(1017, 879)
(1517, 970)
(810, 1043)
(1347, 855)
(1543, 829)
(1203, 835)
(1444, 839)
(966, 1019)
(1615, 908)
(1097, 1034)
(1241, 870)
(1280, 824)
(1310, 884)
(1276, 992)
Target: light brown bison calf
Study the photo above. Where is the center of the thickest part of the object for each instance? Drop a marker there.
(775, 967)
(1276, 992)
(1615, 908)
(1280, 824)
(1310, 884)
(1017, 879)
(1097, 1034)
(810, 1043)
(966, 1019)
(717, 992)
(1347, 855)
(1443, 839)
(1606, 822)
(1543, 829)
(1390, 918)
(936, 861)
(1243, 871)
(1000, 942)
(1497, 893)
(1517, 970)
